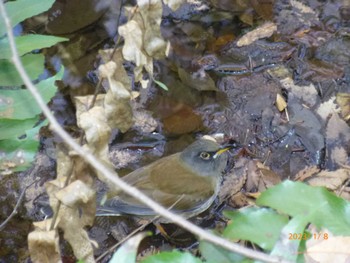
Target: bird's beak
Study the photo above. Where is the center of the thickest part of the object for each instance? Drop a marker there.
(228, 147)
(221, 151)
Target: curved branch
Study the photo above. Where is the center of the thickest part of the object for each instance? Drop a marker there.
(113, 177)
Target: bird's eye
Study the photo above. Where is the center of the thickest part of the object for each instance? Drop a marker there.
(204, 155)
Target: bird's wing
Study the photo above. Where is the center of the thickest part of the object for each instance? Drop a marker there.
(175, 188)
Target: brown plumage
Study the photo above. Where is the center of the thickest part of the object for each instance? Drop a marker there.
(189, 179)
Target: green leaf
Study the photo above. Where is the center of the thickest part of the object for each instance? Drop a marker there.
(291, 236)
(33, 64)
(172, 257)
(28, 43)
(13, 128)
(214, 254)
(18, 104)
(161, 84)
(259, 225)
(20, 10)
(128, 251)
(20, 153)
(316, 204)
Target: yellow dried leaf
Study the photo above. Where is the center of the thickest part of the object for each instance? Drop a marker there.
(343, 99)
(281, 104)
(174, 4)
(44, 246)
(263, 31)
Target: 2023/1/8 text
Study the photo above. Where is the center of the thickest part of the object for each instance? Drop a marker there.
(306, 236)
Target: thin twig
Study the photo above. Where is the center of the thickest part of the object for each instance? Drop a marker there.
(111, 249)
(14, 212)
(113, 177)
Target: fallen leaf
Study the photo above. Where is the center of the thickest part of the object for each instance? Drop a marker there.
(328, 249)
(263, 31)
(43, 245)
(281, 104)
(343, 99)
(306, 173)
(332, 180)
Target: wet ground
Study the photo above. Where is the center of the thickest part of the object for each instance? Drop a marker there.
(216, 86)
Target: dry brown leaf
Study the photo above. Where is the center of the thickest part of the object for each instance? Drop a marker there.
(281, 104)
(263, 31)
(120, 73)
(306, 173)
(238, 200)
(117, 106)
(343, 99)
(79, 212)
(43, 245)
(269, 177)
(260, 177)
(75, 194)
(97, 131)
(118, 110)
(328, 249)
(183, 121)
(133, 49)
(308, 94)
(302, 7)
(332, 180)
(143, 39)
(151, 12)
(337, 128)
(234, 181)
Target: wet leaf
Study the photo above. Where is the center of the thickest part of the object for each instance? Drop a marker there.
(319, 206)
(27, 43)
(183, 121)
(197, 82)
(259, 225)
(128, 251)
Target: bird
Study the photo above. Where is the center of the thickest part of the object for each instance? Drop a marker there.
(186, 182)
